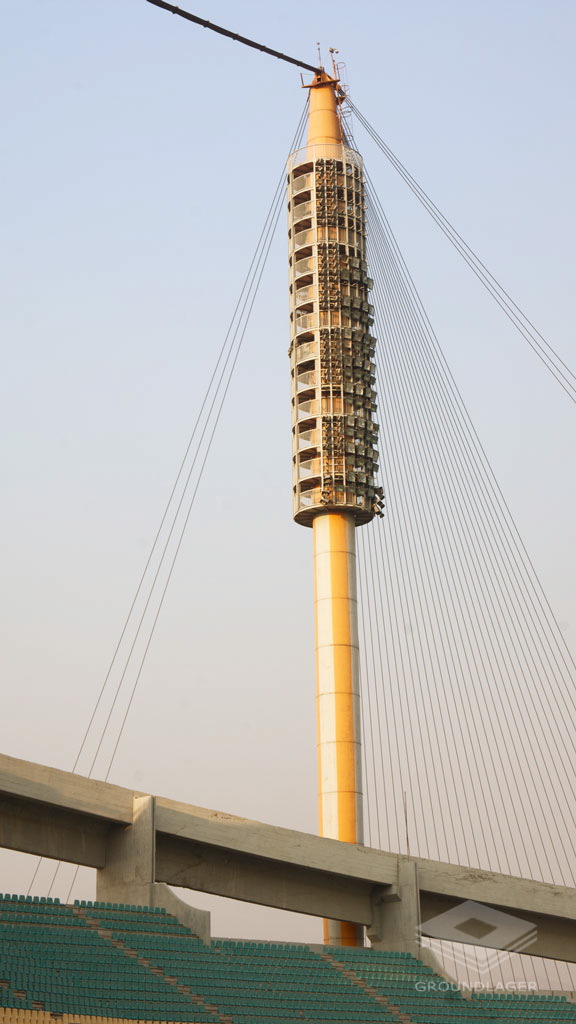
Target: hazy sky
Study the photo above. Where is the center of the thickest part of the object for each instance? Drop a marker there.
(140, 155)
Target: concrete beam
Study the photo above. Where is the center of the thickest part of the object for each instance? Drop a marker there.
(269, 883)
(55, 788)
(247, 860)
(506, 891)
(61, 815)
(49, 831)
(269, 842)
(554, 936)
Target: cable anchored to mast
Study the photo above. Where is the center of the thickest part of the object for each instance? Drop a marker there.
(233, 35)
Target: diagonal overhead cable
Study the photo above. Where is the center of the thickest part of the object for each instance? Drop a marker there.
(157, 573)
(547, 355)
(233, 35)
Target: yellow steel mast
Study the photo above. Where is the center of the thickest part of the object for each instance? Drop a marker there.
(333, 428)
(334, 439)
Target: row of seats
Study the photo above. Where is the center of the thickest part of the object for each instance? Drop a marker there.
(45, 900)
(99, 905)
(13, 1016)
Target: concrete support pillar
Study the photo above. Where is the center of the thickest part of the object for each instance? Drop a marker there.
(396, 914)
(129, 875)
(198, 921)
(130, 870)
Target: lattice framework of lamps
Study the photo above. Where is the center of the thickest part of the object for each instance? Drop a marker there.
(332, 348)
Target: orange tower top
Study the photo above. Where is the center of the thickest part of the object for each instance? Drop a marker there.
(324, 126)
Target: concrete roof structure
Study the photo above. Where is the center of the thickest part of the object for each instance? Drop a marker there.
(137, 842)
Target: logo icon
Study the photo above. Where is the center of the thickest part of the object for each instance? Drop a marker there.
(475, 924)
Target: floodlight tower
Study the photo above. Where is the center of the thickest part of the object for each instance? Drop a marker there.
(334, 437)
